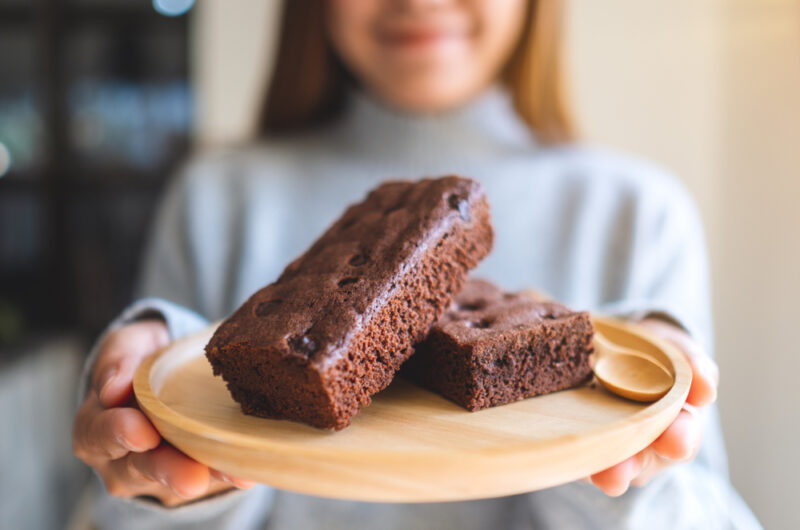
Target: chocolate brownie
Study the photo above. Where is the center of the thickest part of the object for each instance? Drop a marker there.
(492, 348)
(341, 319)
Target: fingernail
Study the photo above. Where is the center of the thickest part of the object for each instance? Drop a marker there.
(178, 493)
(106, 379)
(237, 482)
(130, 446)
(164, 482)
(713, 394)
(710, 371)
(244, 484)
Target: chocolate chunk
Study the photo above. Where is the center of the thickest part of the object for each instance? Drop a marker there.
(358, 260)
(303, 344)
(461, 204)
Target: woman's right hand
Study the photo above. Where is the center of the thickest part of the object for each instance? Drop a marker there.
(112, 435)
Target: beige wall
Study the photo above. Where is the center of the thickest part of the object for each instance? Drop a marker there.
(708, 88)
(758, 258)
(711, 89)
(646, 79)
(231, 55)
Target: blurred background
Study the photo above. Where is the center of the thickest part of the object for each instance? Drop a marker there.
(100, 99)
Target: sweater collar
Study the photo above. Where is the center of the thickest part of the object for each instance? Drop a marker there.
(486, 126)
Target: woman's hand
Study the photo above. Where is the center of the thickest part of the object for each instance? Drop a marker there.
(112, 435)
(681, 441)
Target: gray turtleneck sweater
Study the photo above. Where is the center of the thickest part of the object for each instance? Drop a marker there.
(595, 230)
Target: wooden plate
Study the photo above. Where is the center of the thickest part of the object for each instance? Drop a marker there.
(409, 445)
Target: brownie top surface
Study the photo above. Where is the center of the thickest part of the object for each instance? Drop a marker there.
(482, 311)
(326, 293)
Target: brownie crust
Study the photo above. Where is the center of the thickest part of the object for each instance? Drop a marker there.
(315, 345)
(492, 348)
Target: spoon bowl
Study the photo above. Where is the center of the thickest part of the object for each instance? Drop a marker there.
(628, 373)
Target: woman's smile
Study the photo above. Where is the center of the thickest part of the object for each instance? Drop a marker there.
(425, 56)
(424, 40)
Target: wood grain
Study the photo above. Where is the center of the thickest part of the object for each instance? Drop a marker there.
(409, 445)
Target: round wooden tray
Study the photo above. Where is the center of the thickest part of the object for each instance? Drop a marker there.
(409, 445)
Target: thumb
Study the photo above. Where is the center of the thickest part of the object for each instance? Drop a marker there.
(120, 354)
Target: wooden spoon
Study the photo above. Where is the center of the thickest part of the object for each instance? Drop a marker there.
(629, 373)
(623, 371)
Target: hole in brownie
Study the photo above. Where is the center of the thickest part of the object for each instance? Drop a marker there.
(479, 324)
(474, 306)
(265, 308)
(358, 260)
(303, 344)
(347, 281)
(350, 222)
(549, 316)
(461, 204)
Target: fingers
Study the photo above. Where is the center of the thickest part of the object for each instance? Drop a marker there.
(116, 432)
(705, 373)
(679, 443)
(234, 481)
(168, 474)
(168, 467)
(121, 352)
(102, 434)
(682, 439)
(615, 480)
(162, 472)
(705, 378)
(120, 442)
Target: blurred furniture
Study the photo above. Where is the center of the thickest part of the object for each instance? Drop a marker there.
(95, 111)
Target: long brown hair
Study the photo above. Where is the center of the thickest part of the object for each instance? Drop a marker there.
(309, 83)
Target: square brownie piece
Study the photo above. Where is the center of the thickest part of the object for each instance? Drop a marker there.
(492, 348)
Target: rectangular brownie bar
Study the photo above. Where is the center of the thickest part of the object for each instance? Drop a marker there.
(492, 348)
(341, 319)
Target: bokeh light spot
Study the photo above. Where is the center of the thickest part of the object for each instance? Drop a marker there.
(172, 8)
(5, 159)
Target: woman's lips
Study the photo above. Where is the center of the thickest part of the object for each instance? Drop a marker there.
(423, 37)
(414, 37)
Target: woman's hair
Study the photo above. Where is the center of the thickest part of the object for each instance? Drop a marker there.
(309, 84)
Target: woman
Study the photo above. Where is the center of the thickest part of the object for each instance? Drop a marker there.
(371, 89)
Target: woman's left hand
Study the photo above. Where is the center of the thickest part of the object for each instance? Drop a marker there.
(681, 441)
